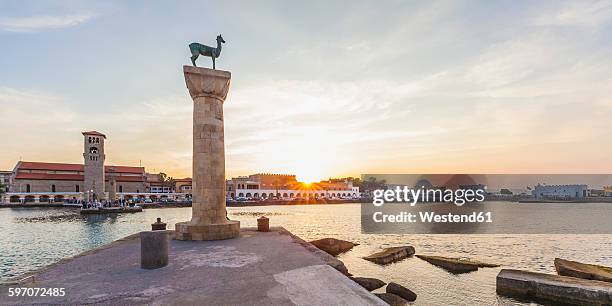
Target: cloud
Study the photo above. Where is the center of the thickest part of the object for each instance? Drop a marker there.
(18, 106)
(155, 131)
(39, 23)
(36, 126)
(578, 13)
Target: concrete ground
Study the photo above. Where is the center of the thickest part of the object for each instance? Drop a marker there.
(257, 268)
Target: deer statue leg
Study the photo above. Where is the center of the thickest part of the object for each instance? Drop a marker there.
(194, 56)
(213, 58)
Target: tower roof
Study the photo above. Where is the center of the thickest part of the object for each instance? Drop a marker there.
(95, 133)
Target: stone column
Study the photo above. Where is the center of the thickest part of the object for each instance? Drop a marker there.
(208, 89)
(112, 191)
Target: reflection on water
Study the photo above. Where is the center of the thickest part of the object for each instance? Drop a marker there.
(257, 213)
(33, 238)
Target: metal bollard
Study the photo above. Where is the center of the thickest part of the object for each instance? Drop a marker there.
(158, 226)
(153, 249)
(263, 224)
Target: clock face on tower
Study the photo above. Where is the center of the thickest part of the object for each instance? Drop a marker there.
(93, 150)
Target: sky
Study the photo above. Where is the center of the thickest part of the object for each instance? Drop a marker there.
(319, 88)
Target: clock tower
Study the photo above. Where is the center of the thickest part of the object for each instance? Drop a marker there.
(93, 171)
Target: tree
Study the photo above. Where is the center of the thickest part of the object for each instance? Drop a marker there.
(166, 181)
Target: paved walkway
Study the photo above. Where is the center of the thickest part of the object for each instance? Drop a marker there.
(257, 268)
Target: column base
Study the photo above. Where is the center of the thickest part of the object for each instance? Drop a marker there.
(219, 231)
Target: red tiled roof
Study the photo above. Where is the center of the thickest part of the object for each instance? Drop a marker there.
(96, 133)
(187, 179)
(49, 166)
(124, 169)
(130, 179)
(46, 176)
(76, 167)
(70, 177)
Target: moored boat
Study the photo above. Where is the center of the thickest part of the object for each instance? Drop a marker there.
(110, 210)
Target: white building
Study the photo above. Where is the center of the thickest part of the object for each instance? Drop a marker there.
(560, 191)
(284, 186)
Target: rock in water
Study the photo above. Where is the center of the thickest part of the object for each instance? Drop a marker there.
(558, 290)
(401, 291)
(369, 283)
(333, 246)
(455, 265)
(582, 270)
(390, 255)
(391, 299)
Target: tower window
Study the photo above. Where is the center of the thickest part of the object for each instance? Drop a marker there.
(93, 150)
(120, 188)
(52, 188)
(28, 188)
(77, 188)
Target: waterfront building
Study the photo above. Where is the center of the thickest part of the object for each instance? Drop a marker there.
(608, 191)
(156, 183)
(597, 193)
(5, 179)
(560, 191)
(45, 182)
(286, 186)
(183, 186)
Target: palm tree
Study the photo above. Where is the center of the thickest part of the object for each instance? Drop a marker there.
(166, 181)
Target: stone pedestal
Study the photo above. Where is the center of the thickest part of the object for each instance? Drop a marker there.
(153, 249)
(208, 89)
(263, 224)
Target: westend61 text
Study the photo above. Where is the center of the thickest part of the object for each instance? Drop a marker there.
(431, 217)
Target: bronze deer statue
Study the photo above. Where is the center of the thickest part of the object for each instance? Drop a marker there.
(198, 49)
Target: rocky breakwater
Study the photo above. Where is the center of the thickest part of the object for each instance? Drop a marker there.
(456, 265)
(554, 289)
(333, 246)
(577, 284)
(583, 270)
(389, 255)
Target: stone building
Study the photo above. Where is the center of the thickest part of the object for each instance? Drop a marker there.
(44, 182)
(183, 185)
(93, 169)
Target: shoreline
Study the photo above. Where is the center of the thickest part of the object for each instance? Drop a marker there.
(188, 204)
(161, 205)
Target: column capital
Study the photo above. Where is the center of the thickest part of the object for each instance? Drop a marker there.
(204, 82)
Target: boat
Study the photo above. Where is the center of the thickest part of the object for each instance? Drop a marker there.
(110, 210)
(582, 270)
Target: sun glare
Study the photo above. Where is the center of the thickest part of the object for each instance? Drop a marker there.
(307, 178)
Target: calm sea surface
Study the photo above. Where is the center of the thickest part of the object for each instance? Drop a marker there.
(35, 237)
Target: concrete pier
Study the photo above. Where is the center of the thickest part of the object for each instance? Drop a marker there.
(256, 268)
